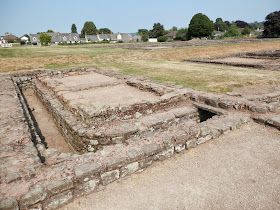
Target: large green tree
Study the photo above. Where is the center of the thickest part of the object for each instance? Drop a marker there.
(272, 25)
(89, 29)
(232, 31)
(45, 39)
(143, 31)
(158, 30)
(73, 28)
(220, 25)
(200, 26)
(104, 31)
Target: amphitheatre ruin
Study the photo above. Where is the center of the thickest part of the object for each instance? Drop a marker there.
(103, 125)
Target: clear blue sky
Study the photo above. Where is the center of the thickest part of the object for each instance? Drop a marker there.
(30, 16)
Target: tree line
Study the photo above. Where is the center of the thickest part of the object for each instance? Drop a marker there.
(199, 26)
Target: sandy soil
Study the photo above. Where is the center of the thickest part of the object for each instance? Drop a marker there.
(235, 171)
(46, 124)
(112, 96)
(92, 79)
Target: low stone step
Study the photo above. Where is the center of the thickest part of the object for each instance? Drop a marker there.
(118, 132)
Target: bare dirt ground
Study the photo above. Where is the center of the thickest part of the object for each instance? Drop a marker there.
(53, 137)
(237, 171)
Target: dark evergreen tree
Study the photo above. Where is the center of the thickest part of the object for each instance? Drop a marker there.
(242, 24)
(272, 25)
(73, 28)
(158, 30)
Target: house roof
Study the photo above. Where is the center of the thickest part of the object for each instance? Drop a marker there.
(10, 37)
(137, 37)
(93, 38)
(104, 36)
(171, 34)
(58, 37)
(126, 37)
(113, 37)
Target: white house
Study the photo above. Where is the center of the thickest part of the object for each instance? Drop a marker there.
(152, 40)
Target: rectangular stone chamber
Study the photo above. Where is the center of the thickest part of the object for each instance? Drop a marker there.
(93, 108)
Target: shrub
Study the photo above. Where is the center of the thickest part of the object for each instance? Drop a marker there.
(232, 31)
(45, 39)
(246, 31)
(10, 41)
(162, 39)
(145, 38)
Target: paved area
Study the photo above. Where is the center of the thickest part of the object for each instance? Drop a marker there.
(240, 170)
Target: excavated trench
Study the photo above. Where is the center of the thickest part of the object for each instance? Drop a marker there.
(45, 123)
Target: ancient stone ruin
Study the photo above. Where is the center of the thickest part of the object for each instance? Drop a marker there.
(114, 125)
(266, 59)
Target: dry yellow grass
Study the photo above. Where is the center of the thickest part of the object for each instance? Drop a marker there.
(163, 65)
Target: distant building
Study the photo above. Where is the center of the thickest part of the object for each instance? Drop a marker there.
(57, 38)
(2, 40)
(218, 33)
(137, 38)
(171, 35)
(113, 38)
(10, 37)
(152, 40)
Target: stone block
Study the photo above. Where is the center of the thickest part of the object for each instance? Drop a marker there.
(168, 141)
(129, 169)
(181, 137)
(275, 121)
(212, 102)
(225, 104)
(94, 142)
(204, 130)
(194, 132)
(164, 154)
(191, 143)
(116, 163)
(9, 204)
(134, 154)
(110, 176)
(87, 170)
(34, 195)
(259, 108)
(146, 162)
(180, 147)
(59, 186)
(58, 200)
(201, 140)
(12, 176)
(87, 187)
(151, 149)
(271, 108)
(117, 140)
